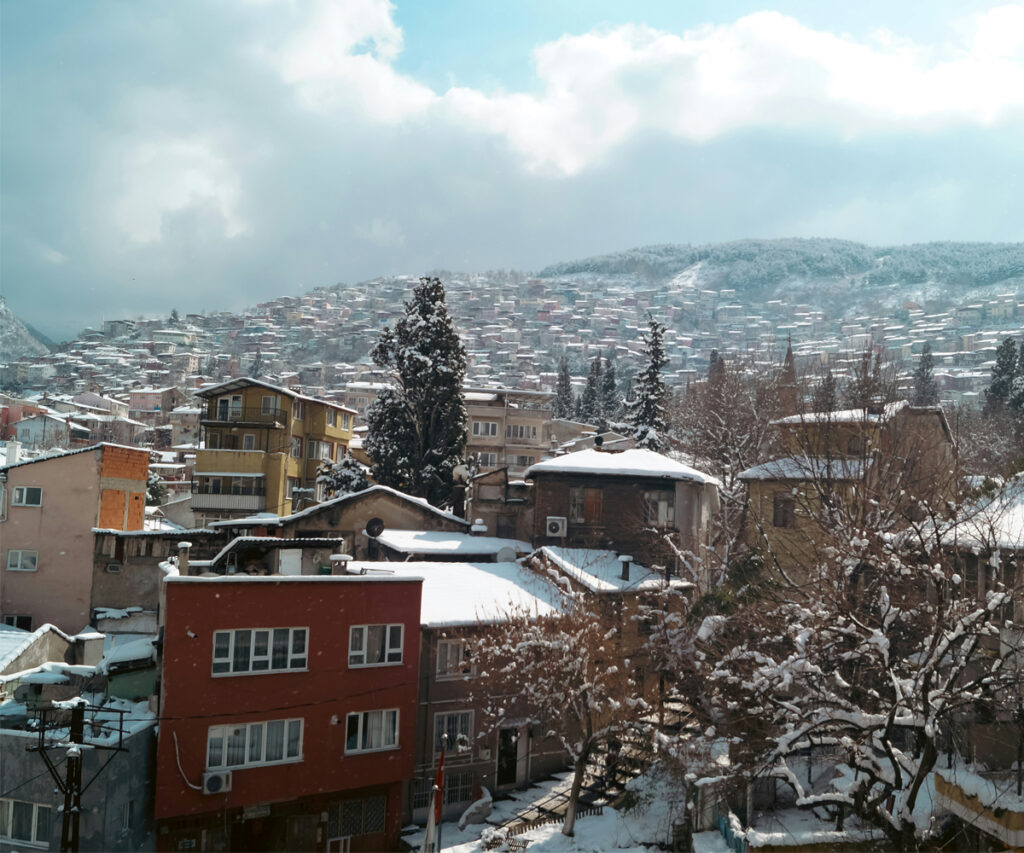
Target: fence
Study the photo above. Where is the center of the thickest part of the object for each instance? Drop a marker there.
(509, 833)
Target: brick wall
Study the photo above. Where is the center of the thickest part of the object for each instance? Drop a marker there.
(125, 463)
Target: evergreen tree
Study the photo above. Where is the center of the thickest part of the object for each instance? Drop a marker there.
(344, 477)
(926, 392)
(611, 401)
(257, 364)
(563, 405)
(1001, 387)
(866, 387)
(826, 398)
(590, 401)
(417, 427)
(1016, 399)
(174, 319)
(646, 413)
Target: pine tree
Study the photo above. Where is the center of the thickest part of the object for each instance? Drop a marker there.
(1001, 387)
(611, 401)
(257, 364)
(866, 388)
(926, 392)
(344, 477)
(563, 406)
(417, 427)
(1016, 399)
(646, 413)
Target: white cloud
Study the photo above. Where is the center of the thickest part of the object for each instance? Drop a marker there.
(167, 176)
(601, 88)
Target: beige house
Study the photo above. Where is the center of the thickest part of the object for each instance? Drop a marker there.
(49, 508)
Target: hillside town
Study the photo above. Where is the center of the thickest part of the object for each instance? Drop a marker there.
(267, 603)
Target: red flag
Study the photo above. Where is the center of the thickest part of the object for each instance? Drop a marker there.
(439, 787)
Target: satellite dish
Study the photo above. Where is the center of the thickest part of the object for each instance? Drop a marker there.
(374, 527)
(505, 555)
(598, 440)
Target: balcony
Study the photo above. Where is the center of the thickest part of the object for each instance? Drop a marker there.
(272, 418)
(210, 500)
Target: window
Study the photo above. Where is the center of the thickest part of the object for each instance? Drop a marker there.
(332, 417)
(453, 659)
(269, 404)
(368, 731)
(319, 449)
(27, 496)
(229, 408)
(298, 410)
(254, 650)
(356, 817)
(521, 461)
(248, 441)
(346, 420)
(458, 788)
(26, 822)
(17, 621)
(585, 506)
(22, 561)
(660, 507)
(485, 428)
(213, 441)
(374, 645)
(854, 446)
(783, 510)
(127, 810)
(254, 744)
(488, 460)
(520, 431)
(458, 725)
(296, 447)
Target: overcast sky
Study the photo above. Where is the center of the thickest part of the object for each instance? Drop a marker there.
(209, 155)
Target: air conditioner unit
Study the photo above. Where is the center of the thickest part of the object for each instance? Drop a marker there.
(217, 782)
(113, 568)
(557, 525)
(485, 754)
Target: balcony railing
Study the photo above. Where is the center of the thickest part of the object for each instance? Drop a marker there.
(273, 417)
(207, 500)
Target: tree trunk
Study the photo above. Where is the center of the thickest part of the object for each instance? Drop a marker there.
(569, 826)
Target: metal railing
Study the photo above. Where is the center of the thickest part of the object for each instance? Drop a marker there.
(252, 415)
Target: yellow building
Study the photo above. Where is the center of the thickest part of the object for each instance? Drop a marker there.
(262, 446)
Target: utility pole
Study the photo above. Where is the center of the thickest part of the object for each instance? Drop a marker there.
(73, 782)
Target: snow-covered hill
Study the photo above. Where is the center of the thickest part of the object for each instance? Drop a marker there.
(16, 341)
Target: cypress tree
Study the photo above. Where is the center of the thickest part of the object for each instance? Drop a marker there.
(926, 392)
(563, 404)
(997, 395)
(417, 427)
(825, 398)
(590, 402)
(611, 402)
(646, 413)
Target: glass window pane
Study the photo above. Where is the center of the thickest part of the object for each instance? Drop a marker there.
(221, 644)
(5, 818)
(256, 742)
(241, 657)
(352, 817)
(374, 813)
(394, 644)
(21, 825)
(215, 748)
(299, 641)
(372, 722)
(235, 751)
(390, 728)
(375, 643)
(294, 733)
(280, 658)
(352, 733)
(275, 740)
(355, 645)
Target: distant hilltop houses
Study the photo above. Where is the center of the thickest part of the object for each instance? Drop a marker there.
(243, 641)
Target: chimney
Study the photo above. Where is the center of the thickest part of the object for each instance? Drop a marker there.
(13, 451)
(183, 549)
(625, 559)
(478, 528)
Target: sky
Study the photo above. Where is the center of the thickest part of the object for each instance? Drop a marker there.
(210, 155)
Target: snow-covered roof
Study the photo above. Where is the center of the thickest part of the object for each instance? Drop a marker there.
(993, 521)
(601, 571)
(443, 542)
(805, 468)
(846, 415)
(62, 454)
(247, 382)
(468, 593)
(636, 462)
(50, 672)
(264, 519)
(14, 641)
(143, 650)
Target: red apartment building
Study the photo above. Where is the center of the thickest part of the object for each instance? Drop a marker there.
(288, 712)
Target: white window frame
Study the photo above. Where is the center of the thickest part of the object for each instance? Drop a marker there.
(19, 495)
(346, 420)
(487, 429)
(224, 657)
(332, 417)
(254, 733)
(249, 441)
(298, 410)
(273, 406)
(357, 657)
(362, 719)
(7, 823)
(452, 661)
(488, 460)
(659, 507)
(296, 448)
(16, 560)
(463, 724)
